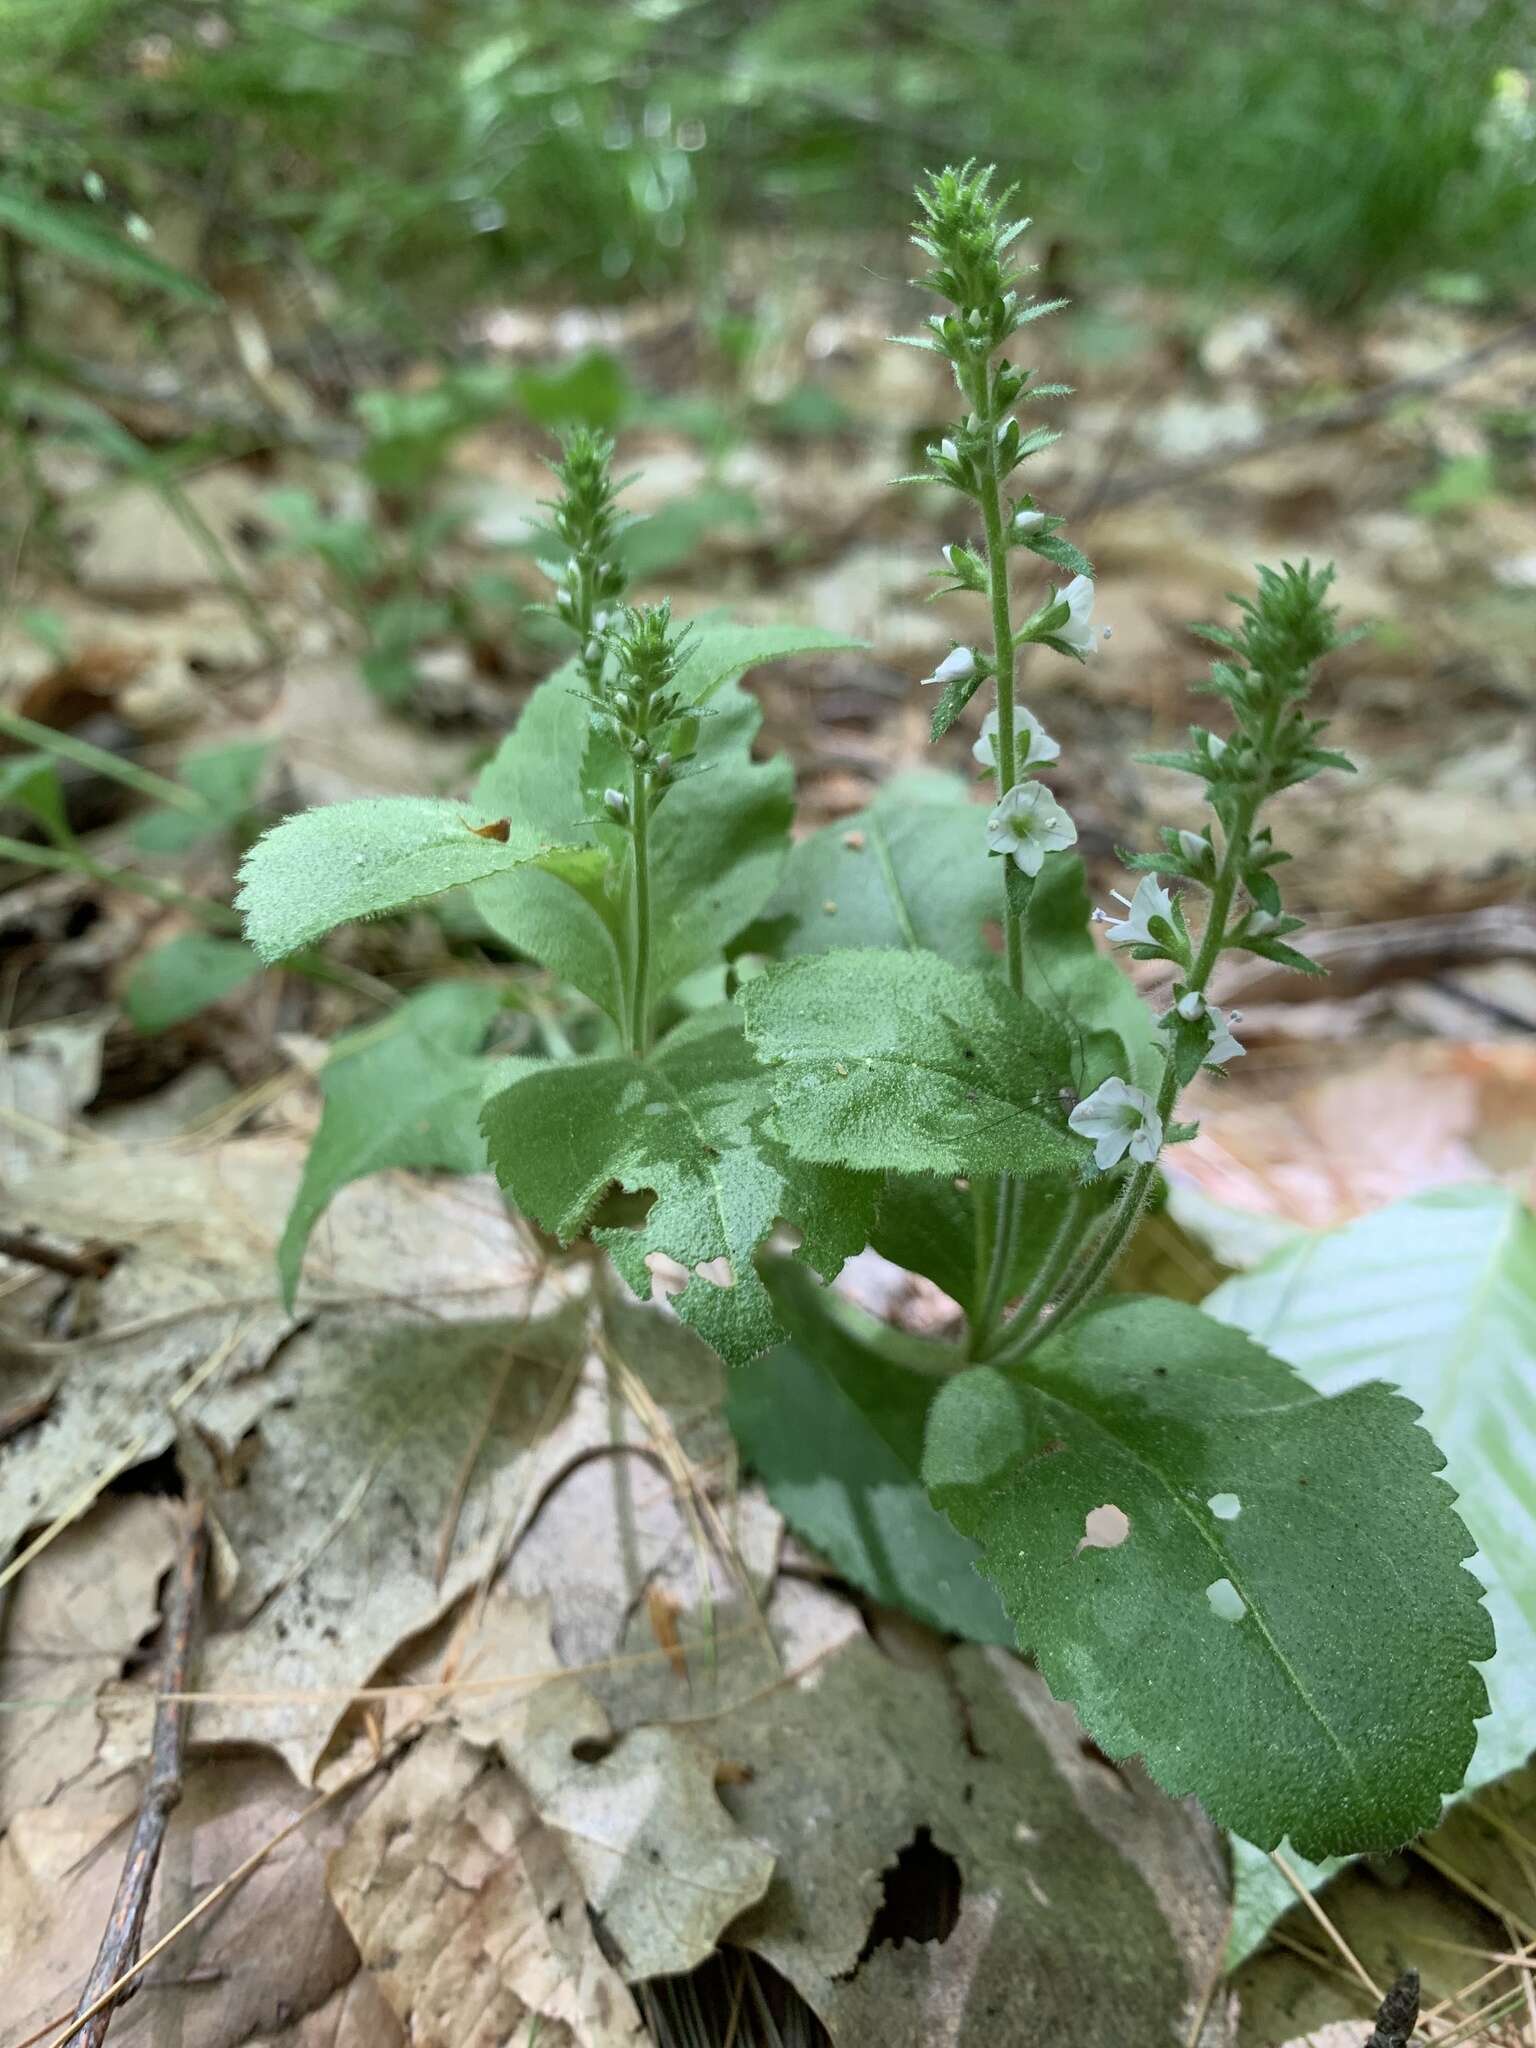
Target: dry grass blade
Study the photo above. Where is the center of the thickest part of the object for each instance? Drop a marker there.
(1356, 1967)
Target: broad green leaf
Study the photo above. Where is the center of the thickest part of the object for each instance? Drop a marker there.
(672, 535)
(1287, 1629)
(185, 976)
(30, 783)
(911, 870)
(71, 233)
(403, 1093)
(1438, 1296)
(327, 866)
(227, 778)
(1111, 1028)
(719, 653)
(903, 1061)
(834, 1428)
(679, 1125)
(718, 843)
(594, 390)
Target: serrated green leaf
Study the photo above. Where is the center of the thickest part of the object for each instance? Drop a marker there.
(956, 695)
(911, 871)
(907, 1063)
(185, 976)
(30, 783)
(403, 1093)
(328, 866)
(1339, 1705)
(834, 1427)
(72, 234)
(718, 844)
(1436, 1295)
(680, 1125)
(1052, 547)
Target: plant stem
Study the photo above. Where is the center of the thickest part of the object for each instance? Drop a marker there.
(640, 914)
(1057, 1258)
(1133, 1199)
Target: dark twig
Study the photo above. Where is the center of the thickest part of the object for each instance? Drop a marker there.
(125, 1924)
(91, 1262)
(1399, 2014)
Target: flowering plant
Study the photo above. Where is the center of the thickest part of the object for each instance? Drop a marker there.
(822, 1037)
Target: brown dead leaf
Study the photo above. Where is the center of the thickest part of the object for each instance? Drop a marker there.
(66, 1627)
(465, 1907)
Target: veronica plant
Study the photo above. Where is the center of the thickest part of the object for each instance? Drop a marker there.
(1259, 1590)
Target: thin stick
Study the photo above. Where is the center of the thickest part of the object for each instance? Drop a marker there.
(1307, 1898)
(125, 1923)
(91, 1263)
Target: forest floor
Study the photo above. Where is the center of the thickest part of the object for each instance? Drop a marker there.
(510, 1697)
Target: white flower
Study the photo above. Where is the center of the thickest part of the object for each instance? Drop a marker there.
(949, 559)
(948, 450)
(1195, 847)
(1223, 1045)
(1027, 825)
(1033, 745)
(1119, 1119)
(955, 667)
(1026, 521)
(1078, 631)
(1151, 900)
(1261, 923)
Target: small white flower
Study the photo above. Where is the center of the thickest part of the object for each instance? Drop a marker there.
(1078, 631)
(949, 451)
(1194, 846)
(1027, 520)
(1151, 900)
(1119, 1119)
(1215, 745)
(954, 668)
(1033, 745)
(1027, 825)
(949, 559)
(1223, 1045)
(1262, 922)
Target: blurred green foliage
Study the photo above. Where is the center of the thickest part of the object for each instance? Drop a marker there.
(421, 153)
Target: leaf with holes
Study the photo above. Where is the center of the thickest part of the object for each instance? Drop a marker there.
(1286, 1629)
(910, 871)
(903, 1061)
(679, 1124)
(363, 859)
(1438, 1296)
(832, 1422)
(404, 1093)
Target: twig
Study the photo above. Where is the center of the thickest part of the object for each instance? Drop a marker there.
(125, 1923)
(93, 1262)
(1339, 419)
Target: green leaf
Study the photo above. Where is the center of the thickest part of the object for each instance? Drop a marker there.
(655, 545)
(74, 235)
(911, 870)
(403, 1093)
(719, 653)
(1339, 1704)
(185, 976)
(905, 1062)
(679, 1125)
(30, 783)
(1438, 1296)
(327, 866)
(834, 1427)
(593, 391)
(227, 778)
(718, 844)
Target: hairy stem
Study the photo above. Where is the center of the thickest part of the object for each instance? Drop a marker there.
(640, 914)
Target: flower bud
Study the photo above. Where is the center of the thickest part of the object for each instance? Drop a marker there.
(618, 804)
(640, 750)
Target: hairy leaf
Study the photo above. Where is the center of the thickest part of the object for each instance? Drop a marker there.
(907, 1062)
(405, 1093)
(1286, 1628)
(1438, 1296)
(911, 870)
(327, 866)
(680, 1125)
(185, 976)
(719, 653)
(833, 1426)
(718, 843)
